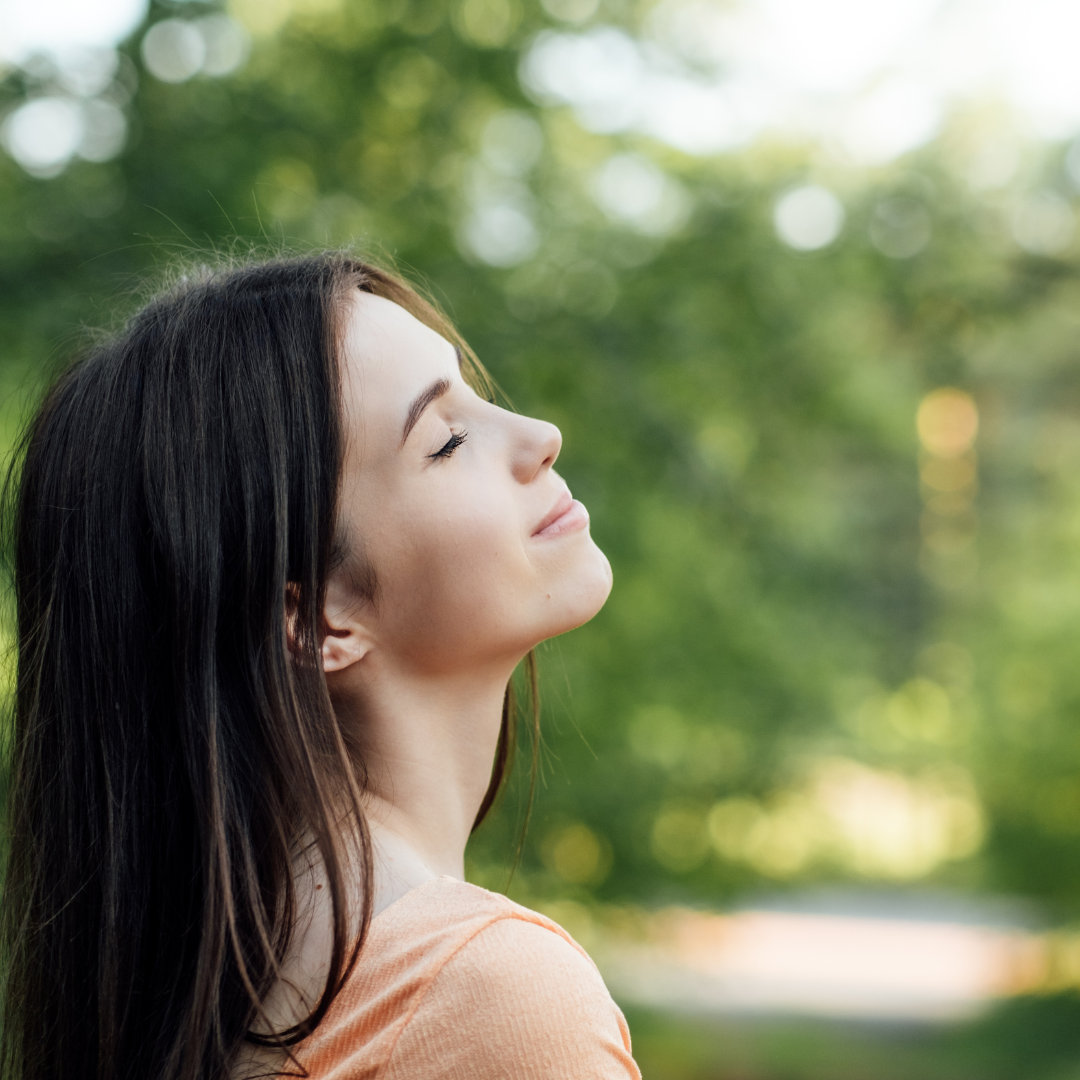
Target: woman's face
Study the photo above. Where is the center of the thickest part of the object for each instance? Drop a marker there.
(477, 549)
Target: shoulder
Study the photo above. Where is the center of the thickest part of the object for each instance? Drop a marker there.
(505, 951)
(517, 998)
(520, 959)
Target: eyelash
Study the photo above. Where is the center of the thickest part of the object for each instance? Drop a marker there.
(455, 440)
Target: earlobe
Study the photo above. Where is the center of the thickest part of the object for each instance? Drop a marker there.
(346, 636)
(342, 649)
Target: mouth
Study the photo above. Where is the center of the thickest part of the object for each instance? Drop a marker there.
(567, 515)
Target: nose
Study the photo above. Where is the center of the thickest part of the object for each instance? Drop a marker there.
(537, 446)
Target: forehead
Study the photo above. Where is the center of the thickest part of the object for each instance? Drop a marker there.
(389, 356)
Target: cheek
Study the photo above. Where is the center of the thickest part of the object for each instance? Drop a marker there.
(456, 535)
(451, 574)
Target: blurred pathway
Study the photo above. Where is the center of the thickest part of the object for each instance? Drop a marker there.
(844, 956)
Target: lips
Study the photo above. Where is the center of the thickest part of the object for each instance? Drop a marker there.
(566, 515)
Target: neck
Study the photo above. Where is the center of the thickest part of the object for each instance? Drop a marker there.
(427, 743)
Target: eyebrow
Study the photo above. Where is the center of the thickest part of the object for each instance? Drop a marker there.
(425, 398)
(421, 402)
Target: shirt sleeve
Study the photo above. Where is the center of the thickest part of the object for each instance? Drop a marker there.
(516, 1002)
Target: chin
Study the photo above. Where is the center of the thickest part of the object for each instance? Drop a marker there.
(589, 592)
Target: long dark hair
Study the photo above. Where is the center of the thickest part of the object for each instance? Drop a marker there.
(174, 514)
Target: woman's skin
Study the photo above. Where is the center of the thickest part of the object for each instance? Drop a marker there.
(478, 553)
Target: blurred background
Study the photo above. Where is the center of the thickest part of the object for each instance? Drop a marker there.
(800, 282)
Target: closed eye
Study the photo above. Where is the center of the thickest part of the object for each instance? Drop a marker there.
(451, 444)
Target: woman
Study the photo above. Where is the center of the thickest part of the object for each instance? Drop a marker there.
(275, 561)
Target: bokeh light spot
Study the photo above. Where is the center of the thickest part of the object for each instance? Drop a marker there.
(227, 44)
(104, 133)
(891, 825)
(571, 11)
(1043, 223)
(994, 165)
(512, 142)
(900, 227)
(86, 72)
(731, 823)
(486, 23)
(921, 710)
(679, 840)
(783, 841)
(43, 135)
(658, 734)
(725, 444)
(408, 78)
(262, 17)
(948, 474)
(599, 72)
(947, 421)
(808, 217)
(173, 50)
(500, 234)
(631, 189)
(577, 854)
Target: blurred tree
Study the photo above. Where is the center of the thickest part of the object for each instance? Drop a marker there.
(839, 644)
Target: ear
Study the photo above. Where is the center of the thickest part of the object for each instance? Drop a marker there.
(347, 636)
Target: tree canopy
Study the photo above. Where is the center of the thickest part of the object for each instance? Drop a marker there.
(826, 417)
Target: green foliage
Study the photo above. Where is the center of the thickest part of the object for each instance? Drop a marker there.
(1033, 1037)
(803, 633)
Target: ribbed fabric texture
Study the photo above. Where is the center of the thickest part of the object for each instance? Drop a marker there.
(458, 983)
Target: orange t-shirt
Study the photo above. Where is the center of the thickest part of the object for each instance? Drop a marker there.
(458, 983)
